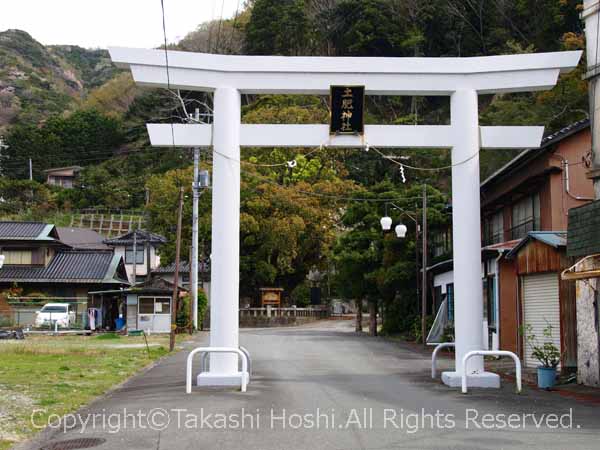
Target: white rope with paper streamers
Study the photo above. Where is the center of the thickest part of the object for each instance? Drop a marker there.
(402, 173)
(291, 163)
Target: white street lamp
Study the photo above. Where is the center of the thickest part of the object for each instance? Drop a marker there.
(401, 230)
(386, 223)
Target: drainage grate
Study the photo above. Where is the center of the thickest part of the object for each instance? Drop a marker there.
(74, 444)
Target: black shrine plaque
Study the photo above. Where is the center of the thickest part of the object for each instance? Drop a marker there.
(347, 110)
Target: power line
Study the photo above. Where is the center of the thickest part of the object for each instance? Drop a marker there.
(164, 25)
(338, 197)
(220, 25)
(322, 194)
(235, 18)
(210, 27)
(429, 169)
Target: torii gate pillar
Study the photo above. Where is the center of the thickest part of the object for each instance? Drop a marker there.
(225, 253)
(464, 116)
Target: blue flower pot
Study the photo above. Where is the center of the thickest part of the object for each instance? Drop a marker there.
(546, 377)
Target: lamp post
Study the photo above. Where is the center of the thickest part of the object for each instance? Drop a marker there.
(401, 230)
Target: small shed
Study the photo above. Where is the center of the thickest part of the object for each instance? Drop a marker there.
(544, 298)
(146, 306)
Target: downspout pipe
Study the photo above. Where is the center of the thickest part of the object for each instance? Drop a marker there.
(497, 294)
(566, 180)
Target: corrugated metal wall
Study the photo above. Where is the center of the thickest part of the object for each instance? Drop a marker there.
(541, 307)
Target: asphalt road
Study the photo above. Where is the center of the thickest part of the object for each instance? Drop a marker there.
(323, 387)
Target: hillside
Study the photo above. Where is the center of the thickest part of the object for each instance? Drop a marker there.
(37, 81)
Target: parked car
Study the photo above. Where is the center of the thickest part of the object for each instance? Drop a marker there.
(62, 314)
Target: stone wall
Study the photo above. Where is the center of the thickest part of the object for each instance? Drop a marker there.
(588, 363)
(263, 321)
(280, 317)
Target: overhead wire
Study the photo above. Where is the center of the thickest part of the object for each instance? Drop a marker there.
(235, 18)
(427, 169)
(220, 26)
(210, 27)
(322, 194)
(164, 26)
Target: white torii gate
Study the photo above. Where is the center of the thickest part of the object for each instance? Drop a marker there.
(460, 78)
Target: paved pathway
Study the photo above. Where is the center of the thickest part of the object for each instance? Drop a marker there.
(370, 394)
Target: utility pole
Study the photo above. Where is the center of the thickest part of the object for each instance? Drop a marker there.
(424, 270)
(194, 257)
(30, 170)
(201, 283)
(175, 300)
(417, 256)
(134, 257)
(190, 324)
(591, 17)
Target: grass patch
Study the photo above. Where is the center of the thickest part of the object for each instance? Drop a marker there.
(107, 336)
(59, 374)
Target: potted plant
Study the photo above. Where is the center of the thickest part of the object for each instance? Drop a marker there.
(546, 353)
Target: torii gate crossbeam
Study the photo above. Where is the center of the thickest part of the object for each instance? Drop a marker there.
(463, 79)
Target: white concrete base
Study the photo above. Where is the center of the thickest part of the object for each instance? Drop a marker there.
(476, 380)
(222, 379)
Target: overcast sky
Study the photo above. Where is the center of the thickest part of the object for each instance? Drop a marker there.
(104, 23)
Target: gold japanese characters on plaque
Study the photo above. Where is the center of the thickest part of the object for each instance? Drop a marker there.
(347, 110)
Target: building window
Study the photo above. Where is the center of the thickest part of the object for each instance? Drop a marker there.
(162, 306)
(17, 257)
(494, 228)
(525, 216)
(154, 305)
(450, 299)
(129, 255)
(441, 243)
(146, 305)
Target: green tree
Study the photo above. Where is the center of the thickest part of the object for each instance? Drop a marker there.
(83, 137)
(24, 197)
(278, 27)
(378, 267)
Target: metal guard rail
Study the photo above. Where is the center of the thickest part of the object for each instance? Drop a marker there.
(241, 354)
(204, 360)
(434, 356)
(491, 353)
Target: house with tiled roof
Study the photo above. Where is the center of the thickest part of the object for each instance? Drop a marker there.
(144, 245)
(167, 272)
(37, 260)
(524, 213)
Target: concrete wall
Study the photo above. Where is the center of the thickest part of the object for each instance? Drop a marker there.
(260, 322)
(588, 370)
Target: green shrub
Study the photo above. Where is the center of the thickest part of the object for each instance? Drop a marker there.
(416, 327)
(300, 295)
(183, 314)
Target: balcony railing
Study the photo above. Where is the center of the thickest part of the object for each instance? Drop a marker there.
(490, 239)
(521, 230)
